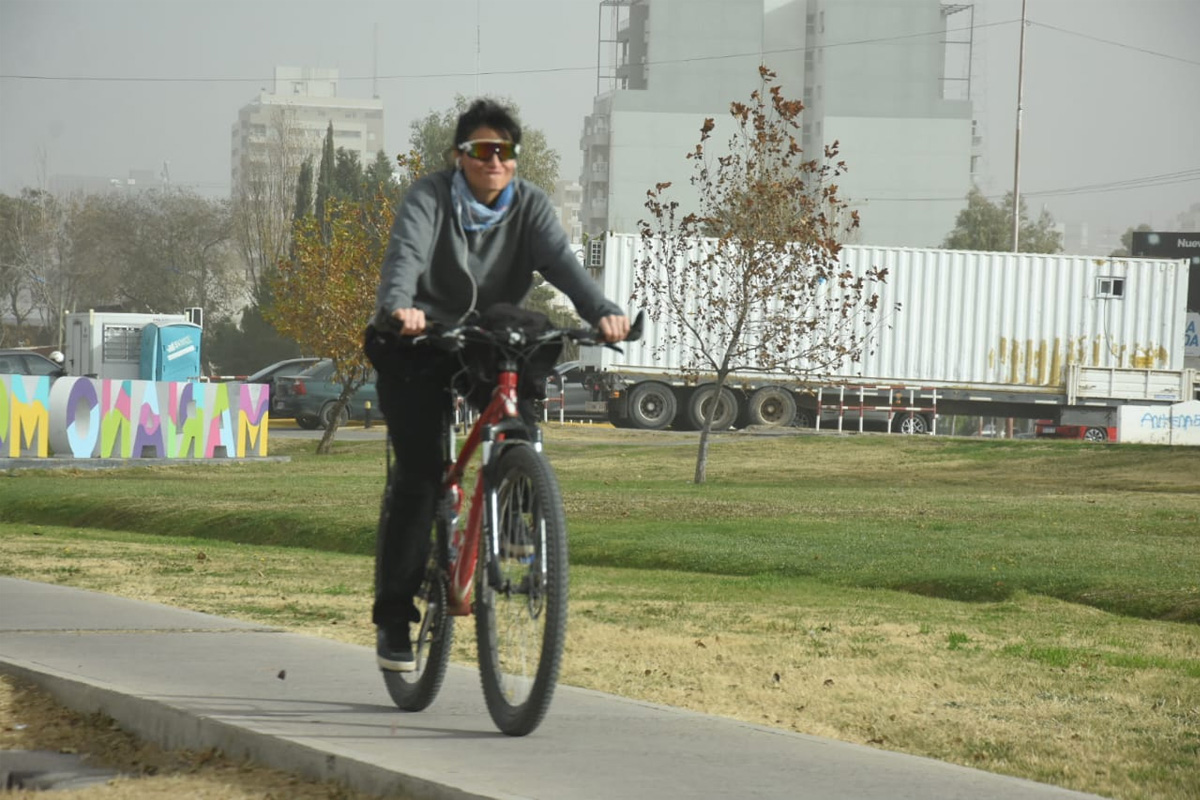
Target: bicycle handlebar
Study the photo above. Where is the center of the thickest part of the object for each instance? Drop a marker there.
(458, 334)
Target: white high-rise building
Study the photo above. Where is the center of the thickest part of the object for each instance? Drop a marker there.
(306, 100)
(886, 83)
(567, 200)
(889, 80)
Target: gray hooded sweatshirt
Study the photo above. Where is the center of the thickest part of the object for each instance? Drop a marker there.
(431, 263)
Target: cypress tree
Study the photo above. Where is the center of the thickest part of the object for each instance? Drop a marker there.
(325, 188)
(304, 191)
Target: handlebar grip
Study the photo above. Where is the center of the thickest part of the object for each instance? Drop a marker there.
(636, 329)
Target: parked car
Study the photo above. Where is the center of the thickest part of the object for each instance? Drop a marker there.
(28, 362)
(281, 369)
(875, 420)
(309, 397)
(580, 393)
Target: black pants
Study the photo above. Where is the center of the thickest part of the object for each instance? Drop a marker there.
(415, 399)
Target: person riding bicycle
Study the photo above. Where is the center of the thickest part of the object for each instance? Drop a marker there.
(465, 239)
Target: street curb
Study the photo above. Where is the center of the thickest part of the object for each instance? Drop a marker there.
(174, 728)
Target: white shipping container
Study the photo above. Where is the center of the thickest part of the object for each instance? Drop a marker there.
(974, 319)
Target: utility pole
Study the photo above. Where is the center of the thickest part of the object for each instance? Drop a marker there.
(1016, 212)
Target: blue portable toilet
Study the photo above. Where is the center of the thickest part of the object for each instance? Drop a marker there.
(170, 352)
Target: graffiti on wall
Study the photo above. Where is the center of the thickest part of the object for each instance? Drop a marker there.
(1174, 424)
(103, 418)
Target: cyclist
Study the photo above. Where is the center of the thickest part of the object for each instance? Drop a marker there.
(465, 239)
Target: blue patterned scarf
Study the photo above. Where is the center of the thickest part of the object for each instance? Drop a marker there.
(474, 215)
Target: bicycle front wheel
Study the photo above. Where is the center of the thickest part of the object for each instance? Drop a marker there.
(521, 620)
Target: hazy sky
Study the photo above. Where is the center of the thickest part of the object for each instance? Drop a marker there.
(99, 87)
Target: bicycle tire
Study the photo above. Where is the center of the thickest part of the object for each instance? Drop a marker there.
(434, 634)
(521, 623)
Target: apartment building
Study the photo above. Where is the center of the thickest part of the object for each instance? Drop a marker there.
(568, 200)
(300, 107)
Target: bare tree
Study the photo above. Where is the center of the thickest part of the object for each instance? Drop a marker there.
(752, 279)
(157, 251)
(42, 245)
(264, 200)
(16, 303)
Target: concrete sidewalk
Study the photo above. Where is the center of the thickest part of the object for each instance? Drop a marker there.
(318, 708)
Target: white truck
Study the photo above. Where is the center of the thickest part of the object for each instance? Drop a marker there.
(1069, 339)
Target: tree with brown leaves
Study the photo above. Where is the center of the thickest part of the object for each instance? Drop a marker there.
(324, 294)
(751, 281)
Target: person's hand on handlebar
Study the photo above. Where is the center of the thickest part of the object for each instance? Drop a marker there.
(411, 321)
(613, 328)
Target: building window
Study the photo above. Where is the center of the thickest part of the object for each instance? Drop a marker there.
(596, 253)
(1110, 287)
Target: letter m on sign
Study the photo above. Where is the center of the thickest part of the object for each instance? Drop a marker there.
(25, 416)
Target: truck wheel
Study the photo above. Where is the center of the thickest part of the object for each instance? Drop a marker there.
(804, 418)
(1095, 435)
(651, 406)
(702, 398)
(911, 423)
(773, 406)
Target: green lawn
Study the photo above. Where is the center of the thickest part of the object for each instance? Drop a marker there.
(1116, 527)
(1024, 607)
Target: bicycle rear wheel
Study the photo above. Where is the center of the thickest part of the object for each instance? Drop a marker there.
(521, 621)
(434, 634)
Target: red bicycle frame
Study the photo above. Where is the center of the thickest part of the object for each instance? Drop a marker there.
(464, 540)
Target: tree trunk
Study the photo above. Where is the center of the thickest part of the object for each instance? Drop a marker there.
(702, 455)
(325, 446)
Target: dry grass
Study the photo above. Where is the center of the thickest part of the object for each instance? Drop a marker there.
(1022, 687)
(31, 720)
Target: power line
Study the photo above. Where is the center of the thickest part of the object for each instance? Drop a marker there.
(1150, 181)
(471, 74)
(1164, 179)
(590, 67)
(1117, 44)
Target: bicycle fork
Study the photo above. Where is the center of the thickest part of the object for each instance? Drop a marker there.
(464, 540)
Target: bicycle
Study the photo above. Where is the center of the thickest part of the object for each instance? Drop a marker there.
(511, 551)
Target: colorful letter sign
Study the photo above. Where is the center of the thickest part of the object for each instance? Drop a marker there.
(91, 418)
